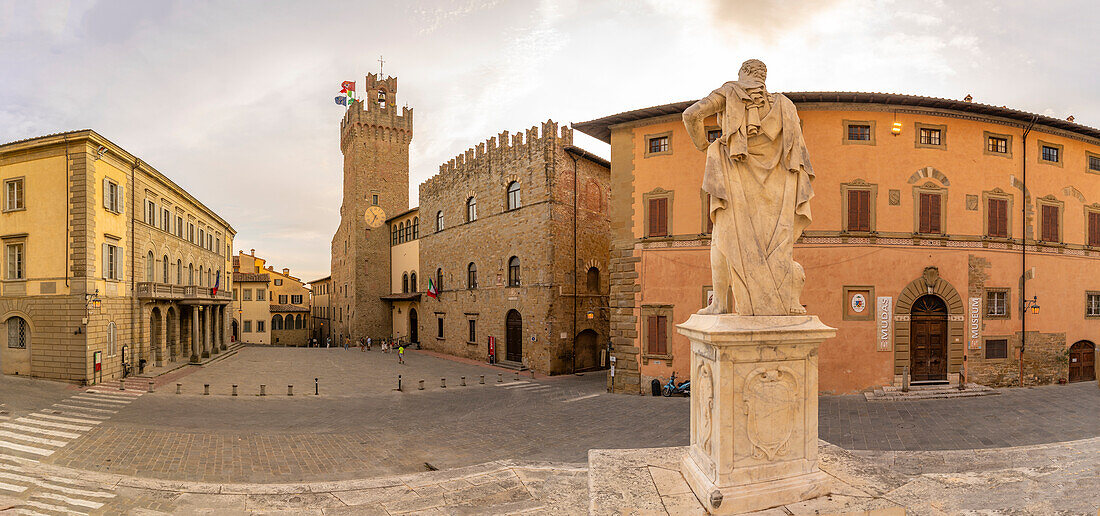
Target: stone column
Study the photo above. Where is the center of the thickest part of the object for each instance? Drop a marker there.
(224, 333)
(161, 339)
(206, 332)
(215, 323)
(179, 332)
(194, 333)
(754, 411)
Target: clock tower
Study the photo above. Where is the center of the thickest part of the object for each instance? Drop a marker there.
(374, 138)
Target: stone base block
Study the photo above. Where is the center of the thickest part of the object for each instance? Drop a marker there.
(757, 496)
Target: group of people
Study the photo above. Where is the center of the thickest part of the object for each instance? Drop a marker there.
(365, 344)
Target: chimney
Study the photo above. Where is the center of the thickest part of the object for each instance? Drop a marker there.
(1069, 118)
(968, 98)
(286, 271)
(252, 252)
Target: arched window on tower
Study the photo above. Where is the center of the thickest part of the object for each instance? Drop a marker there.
(401, 232)
(179, 272)
(513, 195)
(593, 280)
(412, 282)
(513, 271)
(439, 221)
(416, 228)
(471, 276)
(405, 283)
(382, 99)
(471, 209)
(164, 266)
(393, 237)
(150, 267)
(439, 280)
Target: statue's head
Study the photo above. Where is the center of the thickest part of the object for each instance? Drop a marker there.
(753, 69)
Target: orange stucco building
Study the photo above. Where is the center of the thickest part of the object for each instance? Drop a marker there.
(934, 220)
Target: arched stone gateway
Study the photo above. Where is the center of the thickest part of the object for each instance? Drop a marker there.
(927, 331)
(587, 350)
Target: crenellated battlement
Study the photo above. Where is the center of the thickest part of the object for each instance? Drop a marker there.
(504, 146)
(376, 114)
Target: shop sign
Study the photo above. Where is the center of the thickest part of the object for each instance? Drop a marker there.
(885, 322)
(974, 328)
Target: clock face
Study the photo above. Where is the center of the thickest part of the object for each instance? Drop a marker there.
(375, 216)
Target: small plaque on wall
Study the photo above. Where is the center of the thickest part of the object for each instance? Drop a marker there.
(857, 303)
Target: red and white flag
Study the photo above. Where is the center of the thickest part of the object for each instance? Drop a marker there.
(347, 86)
(431, 290)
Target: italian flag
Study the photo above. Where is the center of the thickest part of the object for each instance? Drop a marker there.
(431, 290)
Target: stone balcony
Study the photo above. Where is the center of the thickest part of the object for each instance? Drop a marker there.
(167, 292)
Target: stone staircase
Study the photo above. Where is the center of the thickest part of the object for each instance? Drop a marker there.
(140, 382)
(928, 392)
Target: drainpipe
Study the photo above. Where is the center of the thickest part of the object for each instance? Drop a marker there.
(1023, 251)
(132, 246)
(576, 178)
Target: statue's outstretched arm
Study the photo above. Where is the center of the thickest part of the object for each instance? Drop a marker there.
(697, 113)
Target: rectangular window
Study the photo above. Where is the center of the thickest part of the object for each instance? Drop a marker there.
(657, 332)
(997, 144)
(247, 326)
(859, 132)
(278, 282)
(658, 217)
(166, 221)
(1094, 228)
(282, 299)
(236, 294)
(859, 210)
(1092, 304)
(150, 213)
(13, 195)
(179, 226)
(112, 262)
(1050, 154)
(997, 221)
(247, 295)
(14, 259)
(658, 144)
(1050, 223)
(260, 326)
(996, 303)
(930, 136)
(260, 294)
(374, 200)
(714, 134)
(930, 213)
(473, 330)
(439, 327)
(1094, 163)
(296, 300)
(996, 348)
(190, 232)
(202, 237)
(112, 196)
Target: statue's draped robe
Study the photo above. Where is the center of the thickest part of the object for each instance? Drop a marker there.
(760, 187)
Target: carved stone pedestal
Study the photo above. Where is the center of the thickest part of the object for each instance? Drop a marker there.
(753, 411)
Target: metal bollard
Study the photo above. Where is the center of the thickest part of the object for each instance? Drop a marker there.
(234, 389)
(150, 386)
(443, 383)
(500, 377)
(316, 388)
(179, 388)
(463, 381)
(263, 389)
(399, 382)
(420, 387)
(517, 376)
(121, 385)
(482, 380)
(205, 389)
(289, 390)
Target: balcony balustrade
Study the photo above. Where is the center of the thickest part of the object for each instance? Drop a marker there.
(164, 291)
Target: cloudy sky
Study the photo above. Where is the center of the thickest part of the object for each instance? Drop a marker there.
(234, 100)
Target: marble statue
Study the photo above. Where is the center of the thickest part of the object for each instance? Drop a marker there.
(758, 176)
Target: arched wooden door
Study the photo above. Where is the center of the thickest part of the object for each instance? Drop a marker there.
(588, 350)
(1082, 362)
(514, 337)
(414, 333)
(928, 339)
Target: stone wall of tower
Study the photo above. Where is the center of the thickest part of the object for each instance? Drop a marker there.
(374, 137)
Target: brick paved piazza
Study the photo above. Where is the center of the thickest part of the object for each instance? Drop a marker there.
(360, 428)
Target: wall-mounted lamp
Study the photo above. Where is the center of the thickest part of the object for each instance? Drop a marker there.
(1033, 304)
(590, 314)
(896, 130)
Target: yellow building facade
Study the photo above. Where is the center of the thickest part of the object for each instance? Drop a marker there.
(107, 265)
(405, 285)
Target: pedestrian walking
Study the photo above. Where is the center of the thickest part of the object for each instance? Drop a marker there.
(328, 342)
(362, 344)
(401, 354)
(368, 343)
(346, 343)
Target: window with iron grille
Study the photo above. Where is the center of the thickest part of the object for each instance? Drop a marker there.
(247, 327)
(996, 144)
(1094, 163)
(859, 132)
(996, 348)
(1050, 153)
(930, 136)
(1092, 304)
(17, 333)
(996, 303)
(658, 144)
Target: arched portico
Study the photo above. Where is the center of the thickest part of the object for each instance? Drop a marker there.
(929, 283)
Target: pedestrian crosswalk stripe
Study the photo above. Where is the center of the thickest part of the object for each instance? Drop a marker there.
(28, 512)
(79, 407)
(511, 384)
(533, 387)
(69, 500)
(99, 401)
(32, 439)
(103, 397)
(51, 507)
(11, 487)
(72, 490)
(49, 421)
(15, 458)
(25, 448)
(115, 392)
(91, 405)
(65, 409)
(15, 476)
(36, 430)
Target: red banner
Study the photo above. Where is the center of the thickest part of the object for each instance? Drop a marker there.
(347, 86)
